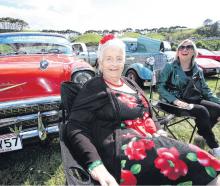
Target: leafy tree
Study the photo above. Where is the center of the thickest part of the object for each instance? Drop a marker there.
(128, 30)
(214, 29)
(201, 44)
(207, 22)
(105, 32)
(12, 24)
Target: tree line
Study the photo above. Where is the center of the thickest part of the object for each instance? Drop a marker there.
(12, 24)
(209, 28)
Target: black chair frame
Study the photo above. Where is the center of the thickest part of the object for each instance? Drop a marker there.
(171, 114)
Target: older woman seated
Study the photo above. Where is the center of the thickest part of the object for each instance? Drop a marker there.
(112, 131)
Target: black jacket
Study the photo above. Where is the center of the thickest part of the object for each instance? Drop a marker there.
(94, 124)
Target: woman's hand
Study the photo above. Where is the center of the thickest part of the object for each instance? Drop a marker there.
(180, 104)
(101, 174)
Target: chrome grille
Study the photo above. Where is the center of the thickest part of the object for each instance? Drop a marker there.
(28, 106)
(28, 121)
(25, 113)
(17, 111)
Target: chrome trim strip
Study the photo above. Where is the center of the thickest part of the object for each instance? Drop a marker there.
(34, 133)
(13, 120)
(30, 101)
(11, 86)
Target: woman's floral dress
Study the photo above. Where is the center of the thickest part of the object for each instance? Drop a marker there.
(157, 160)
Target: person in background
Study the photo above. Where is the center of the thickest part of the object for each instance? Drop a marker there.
(114, 135)
(172, 86)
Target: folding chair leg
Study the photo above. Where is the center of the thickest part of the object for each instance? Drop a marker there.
(167, 128)
(193, 132)
(179, 121)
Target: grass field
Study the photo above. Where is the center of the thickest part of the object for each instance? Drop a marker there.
(41, 164)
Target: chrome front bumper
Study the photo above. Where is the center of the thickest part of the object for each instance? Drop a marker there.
(35, 117)
(35, 132)
(41, 130)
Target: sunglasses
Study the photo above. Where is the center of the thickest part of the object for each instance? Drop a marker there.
(187, 47)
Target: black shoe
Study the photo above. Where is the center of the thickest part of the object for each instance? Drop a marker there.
(199, 141)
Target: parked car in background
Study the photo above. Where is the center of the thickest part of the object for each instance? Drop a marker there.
(83, 52)
(209, 66)
(204, 53)
(217, 52)
(144, 57)
(32, 67)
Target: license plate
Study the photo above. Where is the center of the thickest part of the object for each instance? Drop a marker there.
(10, 142)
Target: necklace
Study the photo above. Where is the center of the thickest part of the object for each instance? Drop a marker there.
(115, 85)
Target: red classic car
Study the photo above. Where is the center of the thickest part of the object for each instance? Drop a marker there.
(204, 53)
(32, 67)
(209, 66)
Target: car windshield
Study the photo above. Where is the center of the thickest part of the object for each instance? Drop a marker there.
(33, 44)
(205, 52)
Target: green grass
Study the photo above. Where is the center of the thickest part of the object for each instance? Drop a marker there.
(36, 164)
(90, 39)
(42, 165)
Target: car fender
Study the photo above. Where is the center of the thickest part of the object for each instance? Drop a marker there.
(80, 65)
(143, 72)
(83, 69)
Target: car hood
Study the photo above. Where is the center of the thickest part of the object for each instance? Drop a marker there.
(36, 58)
(26, 77)
(207, 63)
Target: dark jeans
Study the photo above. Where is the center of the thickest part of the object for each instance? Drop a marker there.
(206, 114)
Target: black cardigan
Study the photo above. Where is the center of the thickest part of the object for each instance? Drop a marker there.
(91, 137)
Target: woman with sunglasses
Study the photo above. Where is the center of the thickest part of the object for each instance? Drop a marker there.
(182, 77)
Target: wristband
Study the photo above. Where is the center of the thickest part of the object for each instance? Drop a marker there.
(94, 165)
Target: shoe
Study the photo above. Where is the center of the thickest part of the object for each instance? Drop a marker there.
(215, 152)
(199, 141)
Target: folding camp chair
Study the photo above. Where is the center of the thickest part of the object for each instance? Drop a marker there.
(167, 110)
(75, 174)
(178, 118)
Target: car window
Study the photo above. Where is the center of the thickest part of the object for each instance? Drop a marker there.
(131, 46)
(141, 48)
(77, 47)
(31, 44)
(32, 48)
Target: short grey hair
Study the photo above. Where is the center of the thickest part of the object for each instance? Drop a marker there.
(113, 42)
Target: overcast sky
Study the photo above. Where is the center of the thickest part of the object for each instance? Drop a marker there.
(82, 15)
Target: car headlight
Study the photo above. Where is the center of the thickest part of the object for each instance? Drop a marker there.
(150, 61)
(82, 77)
